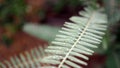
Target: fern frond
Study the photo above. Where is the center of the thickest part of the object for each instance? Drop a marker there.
(76, 39)
(25, 60)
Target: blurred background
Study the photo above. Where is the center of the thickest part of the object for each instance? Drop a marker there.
(25, 24)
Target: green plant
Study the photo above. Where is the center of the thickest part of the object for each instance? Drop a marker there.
(75, 40)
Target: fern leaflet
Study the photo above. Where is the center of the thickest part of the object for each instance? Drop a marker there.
(25, 60)
(75, 38)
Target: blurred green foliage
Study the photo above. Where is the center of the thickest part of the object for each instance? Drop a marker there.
(12, 9)
(11, 15)
(45, 32)
(113, 10)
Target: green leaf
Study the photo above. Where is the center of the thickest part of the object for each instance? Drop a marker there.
(41, 31)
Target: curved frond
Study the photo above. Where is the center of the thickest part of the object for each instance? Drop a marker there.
(76, 39)
(25, 60)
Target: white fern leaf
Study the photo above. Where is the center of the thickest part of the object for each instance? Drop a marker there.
(76, 39)
(25, 60)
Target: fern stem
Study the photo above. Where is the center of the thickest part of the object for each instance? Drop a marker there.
(80, 36)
